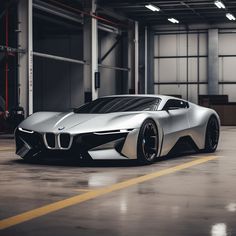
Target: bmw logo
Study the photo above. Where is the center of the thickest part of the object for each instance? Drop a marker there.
(61, 128)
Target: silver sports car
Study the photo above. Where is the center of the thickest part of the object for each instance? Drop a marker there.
(142, 127)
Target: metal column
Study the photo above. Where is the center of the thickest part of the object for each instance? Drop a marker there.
(145, 59)
(213, 62)
(30, 57)
(90, 51)
(136, 57)
(150, 61)
(133, 57)
(94, 47)
(25, 61)
(130, 61)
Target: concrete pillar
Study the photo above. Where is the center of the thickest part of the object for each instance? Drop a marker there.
(25, 61)
(90, 49)
(213, 62)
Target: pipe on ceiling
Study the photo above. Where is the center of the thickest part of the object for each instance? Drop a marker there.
(88, 14)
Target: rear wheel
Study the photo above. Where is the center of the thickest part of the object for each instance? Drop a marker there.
(147, 148)
(212, 135)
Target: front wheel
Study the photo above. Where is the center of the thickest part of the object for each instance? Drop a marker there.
(147, 147)
(212, 135)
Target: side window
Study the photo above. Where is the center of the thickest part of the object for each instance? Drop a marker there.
(173, 104)
(156, 105)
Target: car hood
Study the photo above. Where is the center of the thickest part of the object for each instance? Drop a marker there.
(82, 123)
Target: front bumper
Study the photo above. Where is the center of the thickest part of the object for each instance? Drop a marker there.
(96, 145)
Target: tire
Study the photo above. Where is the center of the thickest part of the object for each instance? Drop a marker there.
(147, 146)
(212, 135)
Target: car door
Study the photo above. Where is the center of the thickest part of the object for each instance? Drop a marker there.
(175, 123)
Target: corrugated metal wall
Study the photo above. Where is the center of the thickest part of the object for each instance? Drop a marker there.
(180, 64)
(227, 63)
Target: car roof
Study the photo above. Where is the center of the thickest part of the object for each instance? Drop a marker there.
(163, 97)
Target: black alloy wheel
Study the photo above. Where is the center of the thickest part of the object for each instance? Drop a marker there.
(212, 134)
(147, 142)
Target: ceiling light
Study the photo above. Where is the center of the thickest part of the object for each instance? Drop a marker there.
(152, 7)
(219, 4)
(173, 20)
(230, 16)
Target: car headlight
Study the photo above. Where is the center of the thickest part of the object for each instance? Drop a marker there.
(26, 130)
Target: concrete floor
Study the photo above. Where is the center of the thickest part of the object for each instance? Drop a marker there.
(199, 200)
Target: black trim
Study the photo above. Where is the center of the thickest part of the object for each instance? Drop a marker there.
(173, 57)
(89, 141)
(28, 144)
(162, 141)
(227, 82)
(156, 33)
(194, 83)
(50, 138)
(227, 55)
(177, 83)
(64, 140)
(183, 145)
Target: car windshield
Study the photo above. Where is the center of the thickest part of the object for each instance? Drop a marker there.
(120, 104)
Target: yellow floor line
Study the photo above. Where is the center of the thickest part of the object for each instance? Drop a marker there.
(32, 214)
(84, 190)
(6, 149)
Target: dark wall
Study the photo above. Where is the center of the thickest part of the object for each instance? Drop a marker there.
(112, 81)
(58, 85)
(10, 59)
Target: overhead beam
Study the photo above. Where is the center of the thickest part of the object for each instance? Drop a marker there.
(54, 10)
(58, 58)
(114, 67)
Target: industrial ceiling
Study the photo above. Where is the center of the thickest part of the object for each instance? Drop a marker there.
(186, 12)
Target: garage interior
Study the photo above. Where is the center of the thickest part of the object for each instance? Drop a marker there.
(58, 55)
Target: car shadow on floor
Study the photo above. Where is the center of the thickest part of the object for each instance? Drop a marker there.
(73, 162)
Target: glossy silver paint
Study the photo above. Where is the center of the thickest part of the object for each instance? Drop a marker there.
(171, 124)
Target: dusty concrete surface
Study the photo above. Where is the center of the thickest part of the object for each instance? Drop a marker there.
(199, 200)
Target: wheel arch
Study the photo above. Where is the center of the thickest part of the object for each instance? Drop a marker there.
(198, 118)
(206, 147)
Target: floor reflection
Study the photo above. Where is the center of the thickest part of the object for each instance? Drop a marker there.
(231, 207)
(219, 229)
